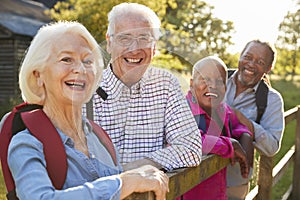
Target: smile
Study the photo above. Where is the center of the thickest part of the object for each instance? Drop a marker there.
(76, 84)
(210, 94)
(133, 60)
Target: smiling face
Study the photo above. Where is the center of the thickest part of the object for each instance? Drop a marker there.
(209, 84)
(69, 74)
(132, 47)
(254, 62)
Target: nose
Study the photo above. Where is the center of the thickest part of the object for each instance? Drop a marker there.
(211, 83)
(79, 68)
(134, 44)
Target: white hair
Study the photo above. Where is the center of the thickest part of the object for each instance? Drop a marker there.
(127, 8)
(213, 60)
(40, 50)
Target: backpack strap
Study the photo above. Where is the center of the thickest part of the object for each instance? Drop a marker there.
(230, 71)
(5, 137)
(42, 128)
(10, 127)
(105, 140)
(261, 98)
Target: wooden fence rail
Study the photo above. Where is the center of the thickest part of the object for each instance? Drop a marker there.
(182, 180)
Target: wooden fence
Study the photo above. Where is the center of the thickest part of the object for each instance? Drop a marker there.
(183, 180)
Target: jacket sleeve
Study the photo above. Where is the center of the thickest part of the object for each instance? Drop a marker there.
(217, 145)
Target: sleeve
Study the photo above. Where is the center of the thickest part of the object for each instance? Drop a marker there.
(237, 128)
(268, 134)
(217, 145)
(184, 147)
(27, 164)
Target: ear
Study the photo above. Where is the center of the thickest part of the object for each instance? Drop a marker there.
(191, 83)
(39, 80)
(108, 45)
(268, 69)
(154, 49)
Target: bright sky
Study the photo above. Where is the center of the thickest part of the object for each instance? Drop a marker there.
(253, 19)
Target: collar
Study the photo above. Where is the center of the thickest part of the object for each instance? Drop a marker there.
(114, 86)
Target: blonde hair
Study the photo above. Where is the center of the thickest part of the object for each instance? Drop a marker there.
(40, 50)
(127, 8)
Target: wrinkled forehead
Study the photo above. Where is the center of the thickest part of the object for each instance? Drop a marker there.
(70, 42)
(209, 68)
(133, 23)
(209, 65)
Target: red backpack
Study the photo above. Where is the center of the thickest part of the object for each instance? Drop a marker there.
(31, 116)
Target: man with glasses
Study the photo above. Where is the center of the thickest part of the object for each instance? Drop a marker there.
(256, 60)
(145, 113)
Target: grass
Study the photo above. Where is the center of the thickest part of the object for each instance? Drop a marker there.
(291, 95)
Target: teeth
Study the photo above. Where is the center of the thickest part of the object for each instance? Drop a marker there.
(133, 60)
(77, 84)
(211, 94)
(249, 72)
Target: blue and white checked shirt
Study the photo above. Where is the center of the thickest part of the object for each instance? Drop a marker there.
(151, 119)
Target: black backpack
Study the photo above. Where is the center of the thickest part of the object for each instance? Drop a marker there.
(261, 95)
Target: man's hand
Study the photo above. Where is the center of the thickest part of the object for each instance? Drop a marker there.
(241, 157)
(247, 144)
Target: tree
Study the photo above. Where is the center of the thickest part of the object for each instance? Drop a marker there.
(288, 42)
(190, 30)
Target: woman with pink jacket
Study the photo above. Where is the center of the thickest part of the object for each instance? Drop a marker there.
(221, 132)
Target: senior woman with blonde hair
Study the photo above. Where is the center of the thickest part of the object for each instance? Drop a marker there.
(60, 72)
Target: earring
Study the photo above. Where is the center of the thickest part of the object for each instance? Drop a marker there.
(194, 100)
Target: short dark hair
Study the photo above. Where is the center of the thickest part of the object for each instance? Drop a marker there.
(270, 47)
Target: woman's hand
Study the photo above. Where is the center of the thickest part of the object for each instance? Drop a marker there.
(143, 179)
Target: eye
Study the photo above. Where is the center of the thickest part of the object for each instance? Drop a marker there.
(67, 60)
(247, 57)
(124, 39)
(261, 63)
(88, 62)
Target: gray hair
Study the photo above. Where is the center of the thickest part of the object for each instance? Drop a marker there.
(213, 60)
(126, 8)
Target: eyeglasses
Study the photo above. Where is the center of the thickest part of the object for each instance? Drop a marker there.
(127, 40)
(250, 58)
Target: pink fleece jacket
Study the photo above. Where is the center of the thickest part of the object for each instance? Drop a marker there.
(213, 142)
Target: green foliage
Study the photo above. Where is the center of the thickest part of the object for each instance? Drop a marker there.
(288, 43)
(291, 96)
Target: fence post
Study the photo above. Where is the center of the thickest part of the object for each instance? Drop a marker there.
(296, 173)
(265, 178)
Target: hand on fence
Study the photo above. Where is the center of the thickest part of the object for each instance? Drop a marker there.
(143, 179)
(246, 142)
(240, 156)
